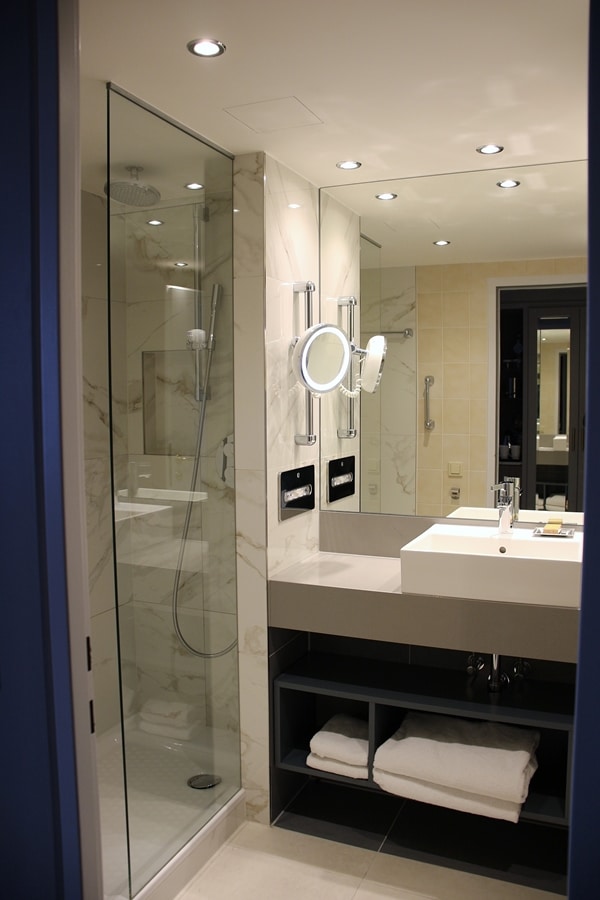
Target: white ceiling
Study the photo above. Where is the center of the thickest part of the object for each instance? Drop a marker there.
(408, 87)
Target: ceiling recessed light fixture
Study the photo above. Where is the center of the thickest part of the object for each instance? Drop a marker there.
(294, 205)
(155, 222)
(181, 265)
(489, 149)
(206, 47)
(441, 243)
(387, 195)
(349, 164)
(508, 183)
(194, 186)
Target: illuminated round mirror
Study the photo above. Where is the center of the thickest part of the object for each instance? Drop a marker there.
(372, 364)
(321, 358)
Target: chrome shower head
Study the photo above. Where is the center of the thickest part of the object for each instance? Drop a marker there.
(132, 193)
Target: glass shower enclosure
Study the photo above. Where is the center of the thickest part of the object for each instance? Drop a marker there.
(174, 759)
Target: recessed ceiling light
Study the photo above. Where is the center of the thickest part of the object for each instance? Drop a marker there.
(349, 164)
(181, 265)
(206, 47)
(488, 149)
(441, 243)
(386, 196)
(194, 186)
(508, 183)
(154, 222)
(294, 205)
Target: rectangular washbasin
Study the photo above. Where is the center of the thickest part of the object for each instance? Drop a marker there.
(476, 562)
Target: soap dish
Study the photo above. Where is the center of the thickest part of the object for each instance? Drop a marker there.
(562, 532)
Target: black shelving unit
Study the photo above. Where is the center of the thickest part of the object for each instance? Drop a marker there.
(318, 686)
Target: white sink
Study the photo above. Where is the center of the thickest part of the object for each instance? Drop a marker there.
(476, 562)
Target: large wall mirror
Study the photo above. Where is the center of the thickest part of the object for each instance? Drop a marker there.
(438, 304)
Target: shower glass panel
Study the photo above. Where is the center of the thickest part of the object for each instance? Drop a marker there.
(171, 399)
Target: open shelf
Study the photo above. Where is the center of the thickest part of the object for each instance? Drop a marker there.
(319, 685)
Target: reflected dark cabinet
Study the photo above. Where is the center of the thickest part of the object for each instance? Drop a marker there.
(541, 394)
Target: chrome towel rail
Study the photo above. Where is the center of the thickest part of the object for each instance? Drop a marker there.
(307, 288)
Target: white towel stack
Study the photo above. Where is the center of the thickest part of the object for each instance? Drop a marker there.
(169, 718)
(477, 767)
(341, 747)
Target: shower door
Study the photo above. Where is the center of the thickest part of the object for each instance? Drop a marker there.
(169, 199)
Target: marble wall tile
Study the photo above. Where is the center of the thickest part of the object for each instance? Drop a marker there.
(398, 298)
(93, 246)
(99, 535)
(105, 670)
(249, 200)
(291, 234)
(389, 416)
(95, 377)
(249, 377)
(254, 703)
(398, 474)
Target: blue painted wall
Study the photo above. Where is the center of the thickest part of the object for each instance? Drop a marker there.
(39, 839)
(39, 848)
(584, 876)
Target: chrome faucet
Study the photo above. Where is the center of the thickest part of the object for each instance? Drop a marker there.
(505, 505)
(515, 495)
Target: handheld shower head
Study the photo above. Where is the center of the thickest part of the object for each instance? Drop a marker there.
(132, 193)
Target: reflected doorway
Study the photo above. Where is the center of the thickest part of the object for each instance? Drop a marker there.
(541, 399)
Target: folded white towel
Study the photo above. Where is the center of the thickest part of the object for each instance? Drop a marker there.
(336, 766)
(487, 758)
(438, 795)
(175, 732)
(344, 738)
(169, 712)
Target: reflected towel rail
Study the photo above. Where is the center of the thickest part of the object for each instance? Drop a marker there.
(429, 422)
(350, 431)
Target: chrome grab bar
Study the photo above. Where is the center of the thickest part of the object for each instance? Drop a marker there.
(429, 422)
(307, 288)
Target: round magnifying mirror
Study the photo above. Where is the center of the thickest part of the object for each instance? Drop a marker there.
(321, 358)
(372, 364)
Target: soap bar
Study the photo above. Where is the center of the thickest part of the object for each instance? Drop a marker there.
(552, 527)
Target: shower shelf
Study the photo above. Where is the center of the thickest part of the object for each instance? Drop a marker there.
(166, 494)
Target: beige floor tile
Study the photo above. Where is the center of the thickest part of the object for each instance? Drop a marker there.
(439, 883)
(239, 874)
(305, 848)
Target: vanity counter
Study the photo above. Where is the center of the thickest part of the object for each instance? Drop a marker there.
(361, 596)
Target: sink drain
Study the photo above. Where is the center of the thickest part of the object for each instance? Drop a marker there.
(204, 781)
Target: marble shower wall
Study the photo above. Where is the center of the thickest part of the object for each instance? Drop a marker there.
(157, 408)
(389, 416)
(156, 319)
(274, 246)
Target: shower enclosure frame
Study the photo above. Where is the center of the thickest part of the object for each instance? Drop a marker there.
(203, 397)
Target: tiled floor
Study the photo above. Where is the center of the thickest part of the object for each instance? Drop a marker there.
(265, 863)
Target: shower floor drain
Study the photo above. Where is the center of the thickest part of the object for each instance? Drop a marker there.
(204, 781)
